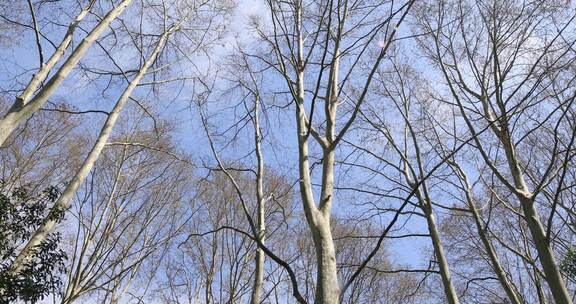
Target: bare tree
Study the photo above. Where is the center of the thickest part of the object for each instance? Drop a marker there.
(336, 30)
(126, 214)
(499, 69)
(30, 101)
(432, 145)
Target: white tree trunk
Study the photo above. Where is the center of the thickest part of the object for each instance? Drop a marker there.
(42, 73)
(26, 105)
(318, 218)
(259, 269)
(327, 287)
(521, 190)
(543, 246)
(449, 290)
(425, 202)
(63, 202)
(507, 285)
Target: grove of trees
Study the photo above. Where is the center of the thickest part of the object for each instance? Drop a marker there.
(288, 151)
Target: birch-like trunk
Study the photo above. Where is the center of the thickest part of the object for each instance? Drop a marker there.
(73, 288)
(425, 202)
(45, 69)
(318, 217)
(449, 290)
(327, 287)
(526, 199)
(63, 202)
(259, 269)
(318, 214)
(507, 285)
(522, 191)
(426, 206)
(26, 104)
(543, 246)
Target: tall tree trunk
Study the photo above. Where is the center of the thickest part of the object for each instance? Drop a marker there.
(318, 218)
(63, 202)
(445, 274)
(507, 285)
(26, 105)
(42, 73)
(425, 202)
(327, 287)
(259, 269)
(545, 253)
(526, 198)
(521, 189)
(328, 290)
(318, 213)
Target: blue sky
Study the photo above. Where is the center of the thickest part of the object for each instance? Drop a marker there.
(174, 105)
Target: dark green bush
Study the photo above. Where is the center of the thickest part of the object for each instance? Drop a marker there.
(20, 215)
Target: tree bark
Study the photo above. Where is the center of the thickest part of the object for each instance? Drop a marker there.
(519, 187)
(425, 202)
(318, 218)
(259, 269)
(526, 198)
(26, 105)
(449, 290)
(63, 202)
(327, 286)
(508, 286)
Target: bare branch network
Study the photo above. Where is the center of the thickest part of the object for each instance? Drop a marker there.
(294, 151)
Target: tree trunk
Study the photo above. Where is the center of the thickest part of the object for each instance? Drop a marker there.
(543, 247)
(449, 290)
(327, 287)
(508, 287)
(545, 253)
(25, 105)
(318, 217)
(63, 202)
(259, 269)
(42, 73)
(421, 192)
